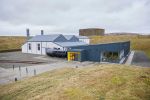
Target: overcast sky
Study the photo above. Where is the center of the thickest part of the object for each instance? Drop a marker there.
(68, 16)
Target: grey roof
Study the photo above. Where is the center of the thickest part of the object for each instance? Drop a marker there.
(70, 44)
(71, 38)
(68, 37)
(76, 50)
(44, 38)
(82, 37)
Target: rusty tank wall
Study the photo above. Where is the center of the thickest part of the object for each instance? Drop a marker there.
(91, 32)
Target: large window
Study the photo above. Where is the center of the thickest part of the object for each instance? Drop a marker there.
(38, 46)
(29, 46)
(110, 56)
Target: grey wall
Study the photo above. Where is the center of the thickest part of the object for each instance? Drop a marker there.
(93, 52)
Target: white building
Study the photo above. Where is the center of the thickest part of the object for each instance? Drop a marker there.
(39, 43)
(84, 39)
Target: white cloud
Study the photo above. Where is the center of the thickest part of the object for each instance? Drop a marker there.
(68, 16)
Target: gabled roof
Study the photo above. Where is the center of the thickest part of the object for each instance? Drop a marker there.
(68, 37)
(47, 38)
(71, 44)
(71, 38)
(82, 37)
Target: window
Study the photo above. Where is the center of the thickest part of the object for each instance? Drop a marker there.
(110, 56)
(29, 45)
(38, 45)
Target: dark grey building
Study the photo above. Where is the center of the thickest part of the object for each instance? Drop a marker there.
(109, 52)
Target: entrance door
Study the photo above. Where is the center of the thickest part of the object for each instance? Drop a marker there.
(73, 56)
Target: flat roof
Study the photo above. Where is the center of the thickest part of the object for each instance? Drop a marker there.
(105, 43)
(71, 44)
(82, 37)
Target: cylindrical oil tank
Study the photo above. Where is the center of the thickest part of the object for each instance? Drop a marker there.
(56, 53)
(91, 32)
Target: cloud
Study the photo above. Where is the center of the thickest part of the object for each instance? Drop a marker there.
(68, 16)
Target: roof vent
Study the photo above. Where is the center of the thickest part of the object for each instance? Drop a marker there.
(28, 33)
(42, 32)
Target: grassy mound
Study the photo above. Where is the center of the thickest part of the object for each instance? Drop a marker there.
(11, 42)
(99, 82)
(138, 42)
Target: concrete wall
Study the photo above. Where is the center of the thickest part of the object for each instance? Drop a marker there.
(91, 32)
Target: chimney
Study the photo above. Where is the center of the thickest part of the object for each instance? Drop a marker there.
(42, 32)
(28, 33)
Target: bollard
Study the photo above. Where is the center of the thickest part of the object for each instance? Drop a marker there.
(13, 67)
(76, 66)
(19, 68)
(26, 70)
(34, 72)
(15, 79)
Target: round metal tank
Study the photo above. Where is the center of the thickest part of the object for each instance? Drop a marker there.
(56, 53)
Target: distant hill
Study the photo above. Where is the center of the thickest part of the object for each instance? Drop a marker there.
(138, 42)
(11, 43)
(125, 33)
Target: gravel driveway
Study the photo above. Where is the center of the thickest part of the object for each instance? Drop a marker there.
(16, 59)
(31, 65)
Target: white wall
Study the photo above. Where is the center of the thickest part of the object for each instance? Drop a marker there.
(24, 48)
(121, 54)
(43, 46)
(85, 40)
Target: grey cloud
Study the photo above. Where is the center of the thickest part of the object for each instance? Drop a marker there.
(68, 16)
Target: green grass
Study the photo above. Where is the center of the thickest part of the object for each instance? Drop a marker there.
(99, 82)
(11, 42)
(138, 42)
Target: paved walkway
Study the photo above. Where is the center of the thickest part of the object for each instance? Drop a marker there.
(9, 75)
(141, 59)
(129, 59)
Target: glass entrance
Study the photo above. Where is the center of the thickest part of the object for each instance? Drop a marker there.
(73, 56)
(109, 56)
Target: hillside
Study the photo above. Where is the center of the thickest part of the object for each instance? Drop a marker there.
(99, 82)
(11, 42)
(138, 42)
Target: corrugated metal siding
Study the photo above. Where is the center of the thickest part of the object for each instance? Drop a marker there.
(93, 52)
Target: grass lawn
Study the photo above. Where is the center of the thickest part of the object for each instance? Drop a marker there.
(99, 82)
(138, 42)
(11, 42)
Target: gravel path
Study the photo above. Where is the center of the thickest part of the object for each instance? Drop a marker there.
(9, 75)
(141, 59)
